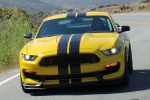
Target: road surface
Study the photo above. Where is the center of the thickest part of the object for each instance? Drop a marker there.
(138, 89)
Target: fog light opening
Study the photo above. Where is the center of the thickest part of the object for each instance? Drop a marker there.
(111, 65)
(29, 71)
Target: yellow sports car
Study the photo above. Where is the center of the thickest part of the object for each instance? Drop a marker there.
(76, 49)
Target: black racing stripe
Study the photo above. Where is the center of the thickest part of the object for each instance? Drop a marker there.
(71, 15)
(74, 49)
(81, 14)
(75, 69)
(62, 49)
(75, 44)
(62, 45)
(63, 70)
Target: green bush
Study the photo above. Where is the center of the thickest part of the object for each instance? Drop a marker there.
(11, 39)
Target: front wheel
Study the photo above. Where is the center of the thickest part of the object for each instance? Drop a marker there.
(130, 62)
(125, 81)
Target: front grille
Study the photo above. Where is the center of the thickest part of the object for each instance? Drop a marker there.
(69, 59)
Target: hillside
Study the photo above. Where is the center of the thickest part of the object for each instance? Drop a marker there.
(36, 18)
(29, 5)
(32, 6)
(87, 3)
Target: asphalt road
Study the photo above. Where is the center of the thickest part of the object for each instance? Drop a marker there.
(138, 89)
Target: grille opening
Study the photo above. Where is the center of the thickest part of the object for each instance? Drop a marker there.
(69, 59)
(72, 76)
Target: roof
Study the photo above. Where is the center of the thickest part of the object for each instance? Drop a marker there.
(77, 14)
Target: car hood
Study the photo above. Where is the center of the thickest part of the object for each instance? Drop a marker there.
(101, 41)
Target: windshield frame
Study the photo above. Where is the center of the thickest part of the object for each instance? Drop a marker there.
(111, 25)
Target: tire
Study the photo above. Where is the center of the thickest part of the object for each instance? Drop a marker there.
(125, 81)
(130, 62)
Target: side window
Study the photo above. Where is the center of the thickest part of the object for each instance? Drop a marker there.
(109, 25)
(104, 21)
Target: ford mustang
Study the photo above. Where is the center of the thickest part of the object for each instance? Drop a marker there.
(76, 49)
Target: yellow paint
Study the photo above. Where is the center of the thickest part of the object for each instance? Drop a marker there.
(89, 79)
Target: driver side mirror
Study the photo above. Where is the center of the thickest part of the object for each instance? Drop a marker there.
(28, 35)
(125, 28)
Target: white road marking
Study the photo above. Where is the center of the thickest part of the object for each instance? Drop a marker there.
(5, 81)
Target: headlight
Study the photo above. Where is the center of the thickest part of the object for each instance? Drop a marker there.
(111, 51)
(29, 57)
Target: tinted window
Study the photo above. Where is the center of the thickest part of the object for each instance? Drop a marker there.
(75, 25)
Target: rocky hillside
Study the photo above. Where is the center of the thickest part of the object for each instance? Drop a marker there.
(87, 3)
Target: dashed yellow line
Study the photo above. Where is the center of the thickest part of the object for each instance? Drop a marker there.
(132, 22)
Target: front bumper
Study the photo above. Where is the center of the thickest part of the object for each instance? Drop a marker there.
(99, 76)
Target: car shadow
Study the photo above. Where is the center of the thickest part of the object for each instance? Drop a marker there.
(139, 80)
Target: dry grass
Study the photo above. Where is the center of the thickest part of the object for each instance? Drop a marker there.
(5, 69)
(130, 8)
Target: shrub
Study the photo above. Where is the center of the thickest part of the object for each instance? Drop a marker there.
(141, 7)
(70, 10)
(111, 5)
(93, 9)
(100, 7)
(125, 7)
(11, 37)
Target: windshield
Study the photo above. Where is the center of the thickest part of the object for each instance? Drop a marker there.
(76, 25)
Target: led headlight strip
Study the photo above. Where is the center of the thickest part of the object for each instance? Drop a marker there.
(112, 51)
(29, 57)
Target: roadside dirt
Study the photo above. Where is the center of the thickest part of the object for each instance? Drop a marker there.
(5, 69)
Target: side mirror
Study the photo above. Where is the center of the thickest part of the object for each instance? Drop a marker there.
(125, 28)
(28, 35)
